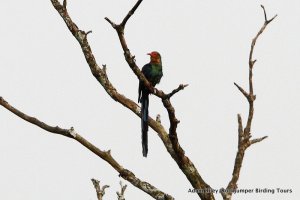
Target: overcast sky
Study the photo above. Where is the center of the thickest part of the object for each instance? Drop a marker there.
(203, 43)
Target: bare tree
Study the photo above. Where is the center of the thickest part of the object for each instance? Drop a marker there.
(169, 138)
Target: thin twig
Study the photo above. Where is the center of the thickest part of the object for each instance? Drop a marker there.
(65, 4)
(242, 90)
(180, 87)
(111, 23)
(89, 32)
(131, 12)
(257, 140)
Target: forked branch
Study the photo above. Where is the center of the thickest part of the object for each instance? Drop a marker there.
(101, 75)
(244, 134)
(184, 163)
(121, 193)
(99, 191)
(130, 59)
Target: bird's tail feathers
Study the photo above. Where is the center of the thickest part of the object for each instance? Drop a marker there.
(144, 122)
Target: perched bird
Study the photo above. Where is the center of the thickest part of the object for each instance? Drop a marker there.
(153, 73)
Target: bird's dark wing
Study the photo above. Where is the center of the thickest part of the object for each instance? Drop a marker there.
(158, 77)
(146, 70)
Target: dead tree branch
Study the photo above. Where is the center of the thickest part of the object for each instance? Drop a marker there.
(184, 163)
(105, 155)
(170, 139)
(244, 134)
(101, 76)
(180, 87)
(130, 59)
(99, 191)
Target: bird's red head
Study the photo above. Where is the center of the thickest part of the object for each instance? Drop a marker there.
(155, 57)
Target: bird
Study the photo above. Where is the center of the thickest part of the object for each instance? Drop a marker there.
(153, 73)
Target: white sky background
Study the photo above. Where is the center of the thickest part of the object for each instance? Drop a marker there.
(203, 43)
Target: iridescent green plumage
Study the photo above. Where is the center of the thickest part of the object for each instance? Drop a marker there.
(153, 73)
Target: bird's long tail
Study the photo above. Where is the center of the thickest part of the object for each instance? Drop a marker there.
(144, 122)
